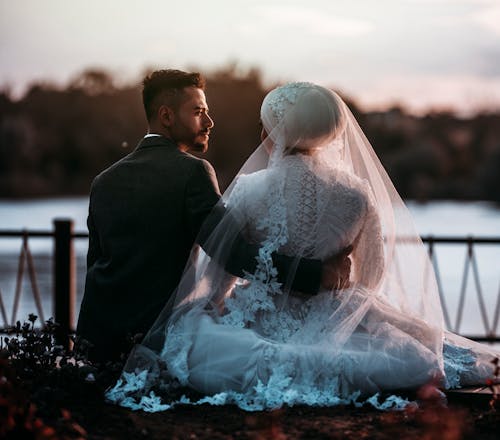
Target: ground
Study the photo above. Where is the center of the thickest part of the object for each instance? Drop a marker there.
(465, 418)
(46, 394)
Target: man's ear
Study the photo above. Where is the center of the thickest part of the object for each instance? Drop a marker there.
(166, 115)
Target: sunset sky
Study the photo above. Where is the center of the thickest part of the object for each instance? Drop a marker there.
(421, 53)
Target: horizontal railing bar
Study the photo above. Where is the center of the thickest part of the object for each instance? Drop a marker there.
(35, 233)
(424, 238)
(460, 240)
(80, 235)
(29, 233)
(477, 338)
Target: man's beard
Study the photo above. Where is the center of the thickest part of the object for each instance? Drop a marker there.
(194, 143)
(199, 147)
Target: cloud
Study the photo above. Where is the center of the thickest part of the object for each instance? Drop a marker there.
(467, 94)
(314, 21)
(489, 18)
(484, 14)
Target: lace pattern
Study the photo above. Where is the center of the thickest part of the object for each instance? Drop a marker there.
(246, 301)
(458, 362)
(279, 386)
(291, 226)
(304, 182)
(286, 97)
(176, 349)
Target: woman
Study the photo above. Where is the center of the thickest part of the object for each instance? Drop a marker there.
(313, 188)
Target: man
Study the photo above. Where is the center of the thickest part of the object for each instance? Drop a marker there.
(145, 213)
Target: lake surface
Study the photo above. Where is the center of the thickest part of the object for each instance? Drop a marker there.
(437, 218)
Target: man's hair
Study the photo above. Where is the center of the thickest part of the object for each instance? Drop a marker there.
(164, 87)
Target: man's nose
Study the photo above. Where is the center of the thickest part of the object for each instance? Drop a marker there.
(209, 122)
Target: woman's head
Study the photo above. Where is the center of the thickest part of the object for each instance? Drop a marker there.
(302, 116)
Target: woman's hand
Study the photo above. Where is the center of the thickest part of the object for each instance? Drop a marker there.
(336, 270)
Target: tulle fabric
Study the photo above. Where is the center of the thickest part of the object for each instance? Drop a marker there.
(313, 187)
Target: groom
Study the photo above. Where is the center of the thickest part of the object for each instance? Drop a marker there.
(146, 212)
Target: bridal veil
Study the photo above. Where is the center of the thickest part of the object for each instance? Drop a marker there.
(391, 272)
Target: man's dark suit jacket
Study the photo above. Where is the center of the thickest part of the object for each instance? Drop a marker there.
(145, 213)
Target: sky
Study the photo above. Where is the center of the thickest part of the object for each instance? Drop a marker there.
(422, 54)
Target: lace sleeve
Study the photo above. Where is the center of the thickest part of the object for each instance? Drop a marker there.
(368, 253)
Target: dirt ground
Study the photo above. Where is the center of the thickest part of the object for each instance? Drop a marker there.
(44, 403)
(463, 419)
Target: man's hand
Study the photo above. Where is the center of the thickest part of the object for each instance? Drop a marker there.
(336, 270)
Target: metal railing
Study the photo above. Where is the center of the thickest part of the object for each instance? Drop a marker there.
(64, 276)
(470, 266)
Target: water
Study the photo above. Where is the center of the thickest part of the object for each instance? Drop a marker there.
(39, 215)
(478, 219)
(437, 218)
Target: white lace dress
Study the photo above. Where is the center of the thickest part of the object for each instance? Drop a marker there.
(269, 349)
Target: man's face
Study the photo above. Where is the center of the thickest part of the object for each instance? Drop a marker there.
(191, 124)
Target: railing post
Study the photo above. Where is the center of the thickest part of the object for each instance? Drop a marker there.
(64, 279)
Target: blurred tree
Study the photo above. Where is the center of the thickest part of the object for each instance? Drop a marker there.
(93, 82)
(54, 140)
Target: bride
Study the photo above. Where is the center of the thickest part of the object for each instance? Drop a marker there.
(313, 188)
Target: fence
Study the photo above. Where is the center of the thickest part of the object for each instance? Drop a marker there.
(64, 286)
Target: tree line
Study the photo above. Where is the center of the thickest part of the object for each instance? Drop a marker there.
(54, 140)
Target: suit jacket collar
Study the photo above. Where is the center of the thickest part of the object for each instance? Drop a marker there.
(156, 141)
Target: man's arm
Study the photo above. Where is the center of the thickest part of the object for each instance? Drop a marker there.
(202, 194)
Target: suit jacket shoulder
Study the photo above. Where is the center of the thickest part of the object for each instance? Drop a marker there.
(201, 169)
